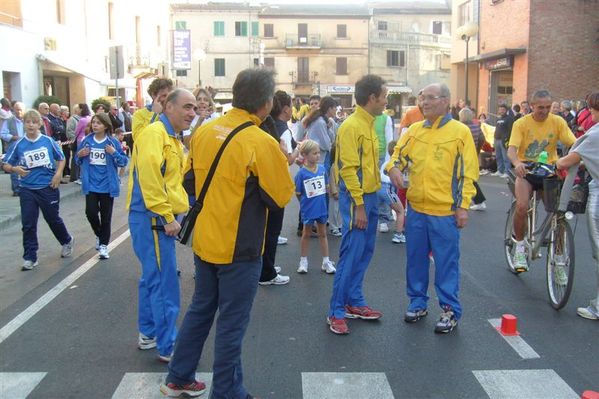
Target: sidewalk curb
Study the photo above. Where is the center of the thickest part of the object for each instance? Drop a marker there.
(9, 221)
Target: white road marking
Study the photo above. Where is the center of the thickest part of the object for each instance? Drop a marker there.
(147, 385)
(346, 385)
(520, 346)
(19, 385)
(518, 384)
(49, 296)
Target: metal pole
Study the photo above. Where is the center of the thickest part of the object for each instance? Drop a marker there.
(466, 70)
(199, 73)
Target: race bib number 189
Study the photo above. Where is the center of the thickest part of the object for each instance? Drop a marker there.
(97, 156)
(315, 186)
(37, 158)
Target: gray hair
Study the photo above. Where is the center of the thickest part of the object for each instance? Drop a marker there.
(466, 115)
(174, 95)
(253, 88)
(567, 104)
(540, 94)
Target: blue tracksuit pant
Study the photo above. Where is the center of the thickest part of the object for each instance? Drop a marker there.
(357, 248)
(47, 200)
(231, 289)
(159, 284)
(441, 235)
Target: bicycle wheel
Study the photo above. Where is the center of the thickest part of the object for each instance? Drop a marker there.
(560, 264)
(508, 239)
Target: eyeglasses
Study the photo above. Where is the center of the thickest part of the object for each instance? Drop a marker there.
(429, 98)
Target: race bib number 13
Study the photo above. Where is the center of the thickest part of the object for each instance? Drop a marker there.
(37, 158)
(315, 186)
(97, 156)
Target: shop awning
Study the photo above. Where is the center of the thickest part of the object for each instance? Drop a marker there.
(51, 63)
(505, 52)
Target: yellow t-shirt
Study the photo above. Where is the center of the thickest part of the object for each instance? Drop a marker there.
(532, 137)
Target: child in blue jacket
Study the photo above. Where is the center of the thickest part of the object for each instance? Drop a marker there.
(99, 156)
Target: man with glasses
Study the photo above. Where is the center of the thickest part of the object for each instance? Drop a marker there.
(440, 156)
(532, 134)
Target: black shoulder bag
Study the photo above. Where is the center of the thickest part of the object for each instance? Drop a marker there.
(189, 220)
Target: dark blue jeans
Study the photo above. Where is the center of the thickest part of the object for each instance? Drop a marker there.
(32, 201)
(230, 289)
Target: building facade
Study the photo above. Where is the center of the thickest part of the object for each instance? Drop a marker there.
(410, 46)
(61, 48)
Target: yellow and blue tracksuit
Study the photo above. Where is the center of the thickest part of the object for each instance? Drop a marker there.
(442, 163)
(142, 118)
(155, 196)
(356, 157)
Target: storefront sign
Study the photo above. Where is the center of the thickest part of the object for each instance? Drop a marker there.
(340, 89)
(181, 49)
(499, 63)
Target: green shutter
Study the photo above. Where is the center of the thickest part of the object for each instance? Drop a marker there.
(255, 28)
(180, 25)
(219, 28)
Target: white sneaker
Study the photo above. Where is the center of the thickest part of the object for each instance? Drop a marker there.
(67, 249)
(328, 267)
(29, 265)
(504, 175)
(303, 267)
(165, 358)
(520, 261)
(97, 243)
(590, 312)
(383, 228)
(561, 277)
(78, 181)
(483, 172)
(278, 280)
(103, 252)
(282, 240)
(145, 343)
(498, 173)
(398, 238)
(336, 232)
(478, 207)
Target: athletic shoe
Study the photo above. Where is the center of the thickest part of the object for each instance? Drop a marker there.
(29, 265)
(559, 271)
(97, 243)
(413, 317)
(67, 249)
(278, 280)
(328, 267)
(520, 261)
(497, 173)
(336, 232)
(278, 269)
(145, 343)
(191, 390)
(303, 267)
(383, 228)
(337, 326)
(504, 175)
(483, 172)
(478, 207)
(447, 322)
(78, 181)
(362, 312)
(165, 358)
(103, 252)
(590, 312)
(398, 238)
(281, 240)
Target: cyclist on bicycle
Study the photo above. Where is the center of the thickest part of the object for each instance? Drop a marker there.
(536, 132)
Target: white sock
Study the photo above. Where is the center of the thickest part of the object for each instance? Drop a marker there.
(304, 259)
(325, 259)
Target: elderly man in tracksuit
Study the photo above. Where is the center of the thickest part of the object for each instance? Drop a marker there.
(357, 156)
(155, 197)
(440, 156)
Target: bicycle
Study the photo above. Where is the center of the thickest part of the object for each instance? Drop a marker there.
(554, 233)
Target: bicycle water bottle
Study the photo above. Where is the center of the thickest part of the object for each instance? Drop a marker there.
(542, 157)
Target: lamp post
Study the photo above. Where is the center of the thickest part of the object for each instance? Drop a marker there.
(200, 55)
(466, 32)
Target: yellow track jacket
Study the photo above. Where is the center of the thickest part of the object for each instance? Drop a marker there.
(252, 176)
(156, 173)
(142, 118)
(442, 164)
(357, 155)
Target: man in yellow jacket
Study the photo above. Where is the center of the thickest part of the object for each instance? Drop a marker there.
(440, 158)
(357, 157)
(155, 196)
(250, 178)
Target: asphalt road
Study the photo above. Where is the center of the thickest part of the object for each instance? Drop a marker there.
(82, 344)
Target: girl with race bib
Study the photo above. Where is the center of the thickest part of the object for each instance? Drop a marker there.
(311, 184)
(39, 161)
(99, 156)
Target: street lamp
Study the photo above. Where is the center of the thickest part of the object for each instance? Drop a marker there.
(200, 55)
(466, 32)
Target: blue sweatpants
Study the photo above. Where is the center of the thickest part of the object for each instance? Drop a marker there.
(357, 248)
(47, 200)
(159, 284)
(441, 235)
(231, 289)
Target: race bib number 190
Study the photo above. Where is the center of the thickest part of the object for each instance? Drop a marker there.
(37, 158)
(97, 156)
(315, 186)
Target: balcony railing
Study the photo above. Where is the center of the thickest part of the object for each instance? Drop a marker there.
(312, 41)
(386, 36)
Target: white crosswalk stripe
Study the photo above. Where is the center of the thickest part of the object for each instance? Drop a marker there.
(19, 385)
(346, 385)
(518, 384)
(520, 346)
(145, 385)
